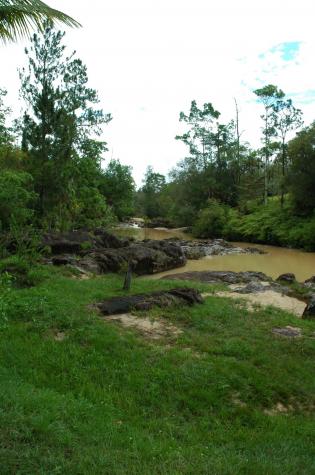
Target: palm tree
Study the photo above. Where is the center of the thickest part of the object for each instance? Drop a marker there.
(18, 17)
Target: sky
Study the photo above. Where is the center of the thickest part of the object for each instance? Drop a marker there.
(149, 59)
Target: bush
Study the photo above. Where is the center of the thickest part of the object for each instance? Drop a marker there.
(22, 272)
(16, 198)
(211, 220)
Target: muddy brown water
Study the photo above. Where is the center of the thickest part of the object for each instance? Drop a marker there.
(276, 261)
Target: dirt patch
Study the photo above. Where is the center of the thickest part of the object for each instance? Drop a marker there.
(279, 408)
(237, 401)
(288, 331)
(268, 297)
(55, 335)
(153, 329)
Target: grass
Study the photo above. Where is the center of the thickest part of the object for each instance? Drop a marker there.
(106, 400)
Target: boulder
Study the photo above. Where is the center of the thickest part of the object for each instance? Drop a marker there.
(120, 305)
(310, 283)
(194, 249)
(309, 312)
(159, 223)
(81, 242)
(146, 257)
(289, 278)
(228, 277)
(63, 260)
(71, 242)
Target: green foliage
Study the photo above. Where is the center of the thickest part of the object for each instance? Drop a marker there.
(16, 198)
(150, 193)
(59, 131)
(17, 17)
(118, 187)
(302, 174)
(22, 272)
(211, 220)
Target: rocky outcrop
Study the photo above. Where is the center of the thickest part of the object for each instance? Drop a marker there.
(309, 312)
(310, 283)
(102, 252)
(160, 223)
(194, 249)
(146, 257)
(227, 277)
(119, 305)
(289, 278)
(79, 242)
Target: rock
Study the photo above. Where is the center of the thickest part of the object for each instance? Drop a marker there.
(309, 312)
(81, 242)
(159, 223)
(228, 277)
(290, 278)
(310, 283)
(146, 257)
(253, 250)
(121, 305)
(69, 242)
(88, 264)
(104, 239)
(102, 252)
(288, 331)
(212, 247)
(63, 260)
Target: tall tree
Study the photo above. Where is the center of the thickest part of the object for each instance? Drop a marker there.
(61, 123)
(18, 17)
(301, 151)
(199, 136)
(268, 96)
(118, 186)
(151, 191)
(288, 118)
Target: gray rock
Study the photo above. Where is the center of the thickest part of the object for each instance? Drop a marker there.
(212, 247)
(309, 312)
(228, 277)
(288, 331)
(310, 283)
(119, 305)
(289, 277)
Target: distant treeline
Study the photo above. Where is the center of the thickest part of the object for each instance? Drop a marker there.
(225, 188)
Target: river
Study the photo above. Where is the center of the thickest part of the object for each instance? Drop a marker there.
(276, 261)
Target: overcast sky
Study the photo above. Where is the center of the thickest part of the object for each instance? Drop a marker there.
(149, 58)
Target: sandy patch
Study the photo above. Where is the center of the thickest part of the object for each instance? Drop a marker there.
(153, 329)
(268, 297)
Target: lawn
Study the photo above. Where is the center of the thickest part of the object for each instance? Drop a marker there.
(80, 395)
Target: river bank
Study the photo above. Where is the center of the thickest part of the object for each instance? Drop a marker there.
(274, 262)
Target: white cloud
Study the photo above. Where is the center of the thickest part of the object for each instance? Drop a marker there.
(149, 59)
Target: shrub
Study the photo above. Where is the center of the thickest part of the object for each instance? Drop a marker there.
(211, 220)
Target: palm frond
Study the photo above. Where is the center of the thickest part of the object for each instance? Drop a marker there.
(17, 18)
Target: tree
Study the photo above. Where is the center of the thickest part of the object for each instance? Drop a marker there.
(118, 186)
(16, 198)
(288, 118)
(151, 192)
(18, 17)
(59, 127)
(199, 136)
(301, 151)
(268, 96)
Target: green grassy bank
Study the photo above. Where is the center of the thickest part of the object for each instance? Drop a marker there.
(226, 396)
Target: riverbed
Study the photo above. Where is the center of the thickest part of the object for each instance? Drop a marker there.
(276, 261)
